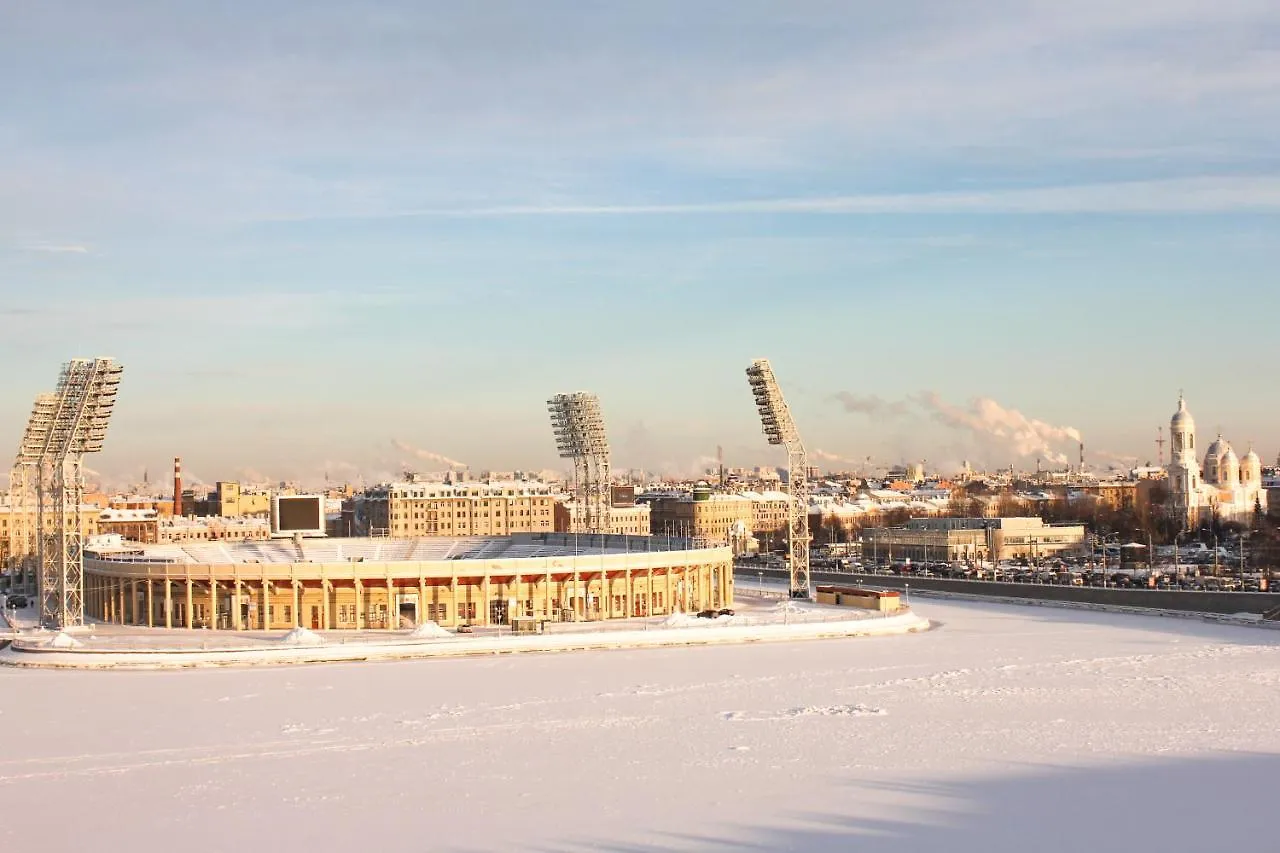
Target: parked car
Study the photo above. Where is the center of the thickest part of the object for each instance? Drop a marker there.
(16, 602)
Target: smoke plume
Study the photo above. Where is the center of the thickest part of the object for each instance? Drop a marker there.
(426, 455)
(985, 417)
(818, 453)
(872, 406)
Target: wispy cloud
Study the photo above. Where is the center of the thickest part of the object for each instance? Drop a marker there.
(58, 248)
(1209, 194)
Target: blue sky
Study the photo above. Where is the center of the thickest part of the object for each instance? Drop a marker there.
(310, 230)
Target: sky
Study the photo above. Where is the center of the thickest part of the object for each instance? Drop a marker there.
(321, 237)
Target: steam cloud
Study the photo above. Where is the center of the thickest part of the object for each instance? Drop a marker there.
(871, 406)
(831, 457)
(985, 417)
(426, 455)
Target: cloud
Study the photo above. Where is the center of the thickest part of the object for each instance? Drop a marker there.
(58, 249)
(426, 455)
(872, 406)
(1204, 194)
(987, 418)
(818, 453)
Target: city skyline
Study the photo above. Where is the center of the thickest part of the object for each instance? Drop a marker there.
(307, 239)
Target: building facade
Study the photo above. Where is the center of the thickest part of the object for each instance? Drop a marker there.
(971, 540)
(1227, 488)
(387, 584)
(492, 508)
(714, 517)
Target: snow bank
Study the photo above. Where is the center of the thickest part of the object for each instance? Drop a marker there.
(62, 640)
(429, 631)
(302, 637)
(689, 634)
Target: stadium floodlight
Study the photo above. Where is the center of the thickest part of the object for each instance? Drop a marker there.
(23, 480)
(578, 426)
(78, 418)
(780, 429)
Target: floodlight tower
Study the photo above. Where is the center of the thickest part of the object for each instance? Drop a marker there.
(80, 414)
(779, 428)
(578, 425)
(24, 481)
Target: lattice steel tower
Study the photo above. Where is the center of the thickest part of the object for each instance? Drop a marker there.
(578, 425)
(24, 482)
(77, 419)
(780, 428)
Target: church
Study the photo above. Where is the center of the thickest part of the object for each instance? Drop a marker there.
(1227, 488)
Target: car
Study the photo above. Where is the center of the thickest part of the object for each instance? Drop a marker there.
(707, 614)
(16, 602)
(726, 611)
(464, 629)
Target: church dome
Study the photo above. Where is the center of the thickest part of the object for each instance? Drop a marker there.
(1182, 420)
(1213, 459)
(1229, 468)
(1251, 468)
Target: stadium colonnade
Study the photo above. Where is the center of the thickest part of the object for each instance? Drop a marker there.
(363, 584)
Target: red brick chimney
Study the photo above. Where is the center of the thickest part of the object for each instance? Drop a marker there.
(177, 486)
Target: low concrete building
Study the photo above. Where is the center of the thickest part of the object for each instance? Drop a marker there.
(882, 601)
(971, 539)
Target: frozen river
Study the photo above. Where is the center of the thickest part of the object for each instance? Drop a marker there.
(1008, 728)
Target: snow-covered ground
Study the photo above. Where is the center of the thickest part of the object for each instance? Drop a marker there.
(1006, 728)
(757, 619)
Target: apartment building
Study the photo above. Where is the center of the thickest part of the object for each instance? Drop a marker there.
(491, 508)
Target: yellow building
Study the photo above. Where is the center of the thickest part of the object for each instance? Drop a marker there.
(230, 500)
(623, 520)
(703, 514)
(19, 525)
(492, 508)
(362, 584)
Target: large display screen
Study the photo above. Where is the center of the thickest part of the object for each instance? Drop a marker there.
(298, 514)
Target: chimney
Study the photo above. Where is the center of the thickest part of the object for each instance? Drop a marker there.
(177, 486)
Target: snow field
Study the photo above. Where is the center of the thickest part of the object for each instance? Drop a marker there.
(1004, 729)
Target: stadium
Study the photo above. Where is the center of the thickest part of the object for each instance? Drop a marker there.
(391, 584)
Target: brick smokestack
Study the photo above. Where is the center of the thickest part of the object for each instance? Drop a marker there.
(177, 486)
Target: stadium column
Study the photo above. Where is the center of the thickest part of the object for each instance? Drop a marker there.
(265, 616)
(393, 609)
(577, 590)
(168, 603)
(453, 600)
(119, 584)
(484, 617)
(213, 604)
(190, 606)
(648, 591)
(547, 593)
(359, 602)
(422, 598)
(629, 605)
(297, 603)
(326, 589)
(151, 608)
(519, 597)
(669, 602)
(235, 606)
